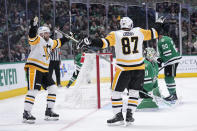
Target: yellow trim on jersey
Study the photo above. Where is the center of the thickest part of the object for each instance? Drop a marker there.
(104, 43)
(146, 33)
(36, 68)
(132, 101)
(34, 41)
(60, 43)
(50, 97)
(155, 34)
(55, 44)
(29, 99)
(111, 38)
(117, 74)
(130, 61)
(40, 62)
(142, 67)
(32, 73)
(117, 103)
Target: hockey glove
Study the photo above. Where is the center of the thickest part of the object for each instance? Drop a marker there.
(161, 20)
(159, 62)
(84, 43)
(34, 21)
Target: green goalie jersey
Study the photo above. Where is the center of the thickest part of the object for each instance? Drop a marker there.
(167, 51)
(151, 73)
(150, 85)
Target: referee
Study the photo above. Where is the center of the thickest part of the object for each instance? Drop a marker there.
(55, 61)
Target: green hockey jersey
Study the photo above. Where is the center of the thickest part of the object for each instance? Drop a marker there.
(77, 59)
(167, 51)
(150, 85)
(151, 73)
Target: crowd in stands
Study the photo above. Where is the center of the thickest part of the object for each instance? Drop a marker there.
(76, 21)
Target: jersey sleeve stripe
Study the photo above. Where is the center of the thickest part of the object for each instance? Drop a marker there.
(111, 39)
(105, 43)
(34, 41)
(55, 44)
(59, 43)
(154, 33)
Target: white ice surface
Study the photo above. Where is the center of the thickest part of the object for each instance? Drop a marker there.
(182, 117)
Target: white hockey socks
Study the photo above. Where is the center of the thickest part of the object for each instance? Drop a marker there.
(52, 90)
(29, 100)
(117, 101)
(133, 100)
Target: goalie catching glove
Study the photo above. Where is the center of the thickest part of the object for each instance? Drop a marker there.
(85, 42)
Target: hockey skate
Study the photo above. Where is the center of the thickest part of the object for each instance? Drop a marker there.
(129, 117)
(116, 120)
(28, 118)
(50, 115)
(172, 98)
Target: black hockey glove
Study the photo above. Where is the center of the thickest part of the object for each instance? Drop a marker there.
(84, 43)
(159, 62)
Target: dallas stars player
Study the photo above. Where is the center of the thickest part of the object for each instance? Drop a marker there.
(150, 80)
(170, 57)
(78, 60)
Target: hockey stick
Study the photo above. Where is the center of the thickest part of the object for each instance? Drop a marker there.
(156, 97)
(76, 41)
(161, 68)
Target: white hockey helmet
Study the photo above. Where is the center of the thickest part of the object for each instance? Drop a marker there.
(43, 29)
(126, 22)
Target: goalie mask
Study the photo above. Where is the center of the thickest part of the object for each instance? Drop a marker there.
(150, 54)
(126, 22)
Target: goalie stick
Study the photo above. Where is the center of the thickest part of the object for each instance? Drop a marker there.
(92, 51)
(157, 97)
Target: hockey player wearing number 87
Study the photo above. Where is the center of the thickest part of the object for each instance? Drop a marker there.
(37, 72)
(129, 55)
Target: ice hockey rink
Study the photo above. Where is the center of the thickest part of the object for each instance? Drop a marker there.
(181, 117)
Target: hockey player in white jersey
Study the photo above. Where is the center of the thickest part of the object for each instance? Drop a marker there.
(129, 55)
(36, 69)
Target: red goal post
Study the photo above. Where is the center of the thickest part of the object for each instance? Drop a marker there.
(98, 74)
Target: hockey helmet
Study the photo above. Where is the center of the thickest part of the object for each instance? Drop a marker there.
(43, 29)
(150, 54)
(126, 22)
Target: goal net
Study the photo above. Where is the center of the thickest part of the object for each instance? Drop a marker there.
(92, 88)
